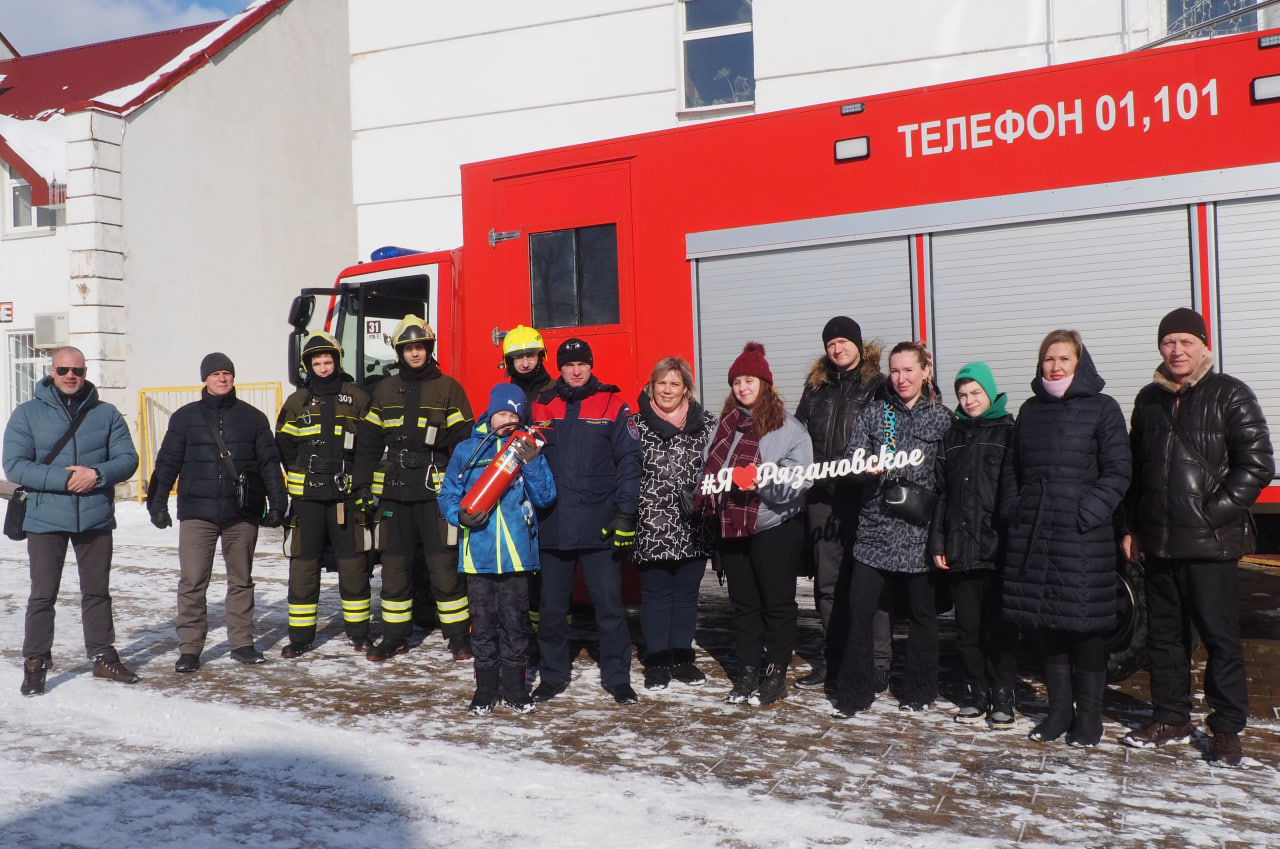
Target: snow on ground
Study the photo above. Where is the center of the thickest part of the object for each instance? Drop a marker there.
(332, 751)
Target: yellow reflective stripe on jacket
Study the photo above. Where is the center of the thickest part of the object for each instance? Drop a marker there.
(296, 482)
(291, 429)
(397, 611)
(379, 481)
(454, 611)
(373, 418)
(355, 610)
(454, 418)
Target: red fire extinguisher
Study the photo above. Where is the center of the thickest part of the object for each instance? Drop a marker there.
(496, 479)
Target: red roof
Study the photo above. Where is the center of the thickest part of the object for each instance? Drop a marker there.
(73, 79)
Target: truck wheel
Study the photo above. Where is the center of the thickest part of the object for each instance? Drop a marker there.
(1127, 645)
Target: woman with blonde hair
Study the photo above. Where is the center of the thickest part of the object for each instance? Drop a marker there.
(761, 531)
(672, 545)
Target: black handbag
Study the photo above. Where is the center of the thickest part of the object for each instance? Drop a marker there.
(251, 489)
(903, 498)
(16, 513)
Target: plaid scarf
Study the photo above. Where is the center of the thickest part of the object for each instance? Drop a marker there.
(737, 507)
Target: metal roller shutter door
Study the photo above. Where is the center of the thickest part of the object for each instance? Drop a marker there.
(1249, 296)
(998, 291)
(782, 299)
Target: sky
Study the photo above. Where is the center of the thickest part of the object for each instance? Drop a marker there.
(38, 26)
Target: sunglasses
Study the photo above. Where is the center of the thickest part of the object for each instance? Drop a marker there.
(63, 371)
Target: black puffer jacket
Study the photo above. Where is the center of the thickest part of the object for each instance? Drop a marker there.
(672, 461)
(1068, 472)
(1178, 507)
(966, 523)
(829, 408)
(189, 454)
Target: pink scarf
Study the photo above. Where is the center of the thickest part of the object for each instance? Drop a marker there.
(676, 418)
(1057, 388)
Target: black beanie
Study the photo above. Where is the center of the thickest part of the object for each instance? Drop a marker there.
(216, 362)
(842, 327)
(1183, 320)
(573, 351)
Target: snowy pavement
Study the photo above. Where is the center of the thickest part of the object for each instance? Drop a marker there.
(330, 750)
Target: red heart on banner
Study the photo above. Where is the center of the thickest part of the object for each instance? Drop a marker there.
(744, 476)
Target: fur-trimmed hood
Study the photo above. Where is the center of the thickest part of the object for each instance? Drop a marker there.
(823, 371)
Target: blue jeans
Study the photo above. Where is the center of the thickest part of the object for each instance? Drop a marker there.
(602, 573)
(669, 602)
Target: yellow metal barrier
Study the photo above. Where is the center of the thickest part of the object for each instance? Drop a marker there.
(156, 406)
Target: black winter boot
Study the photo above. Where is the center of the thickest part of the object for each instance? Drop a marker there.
(1057, 678)
(1002, 716)
(514, 692)
(747, 682)
(973, 706)
(773, 687)
(657, 670)
(1090, 685)
(486, 696)
(684, 670)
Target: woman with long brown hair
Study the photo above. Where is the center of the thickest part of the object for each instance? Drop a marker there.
(760, 527)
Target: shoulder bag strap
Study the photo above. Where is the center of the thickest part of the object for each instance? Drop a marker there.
(1191, 449)
(71, 429)
(223, 453)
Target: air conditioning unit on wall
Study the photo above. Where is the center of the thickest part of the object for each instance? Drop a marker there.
(51, 329)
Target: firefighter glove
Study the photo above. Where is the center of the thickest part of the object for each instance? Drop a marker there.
(160, 516)
(365, 502)
(274, 518)
(472, 520)
(621, 529)
(525, 449)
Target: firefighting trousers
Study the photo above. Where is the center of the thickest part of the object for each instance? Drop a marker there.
(402, 528)
(312, 524)
(500, 631)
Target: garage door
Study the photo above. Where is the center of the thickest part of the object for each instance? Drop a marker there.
(782, 299)
(998, 291)
(1249, 296)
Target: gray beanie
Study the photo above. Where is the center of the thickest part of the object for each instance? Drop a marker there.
(216, 362)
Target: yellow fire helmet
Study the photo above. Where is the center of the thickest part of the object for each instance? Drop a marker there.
(412, 329)
(522, 340)
(319, 342)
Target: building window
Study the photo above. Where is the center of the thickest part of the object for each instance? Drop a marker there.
(27, 367)
(719, 57)
(21, 215)
(1188, 15)
(574, 276)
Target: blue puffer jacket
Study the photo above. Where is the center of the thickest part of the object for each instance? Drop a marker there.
(102, 442)
(508, 542)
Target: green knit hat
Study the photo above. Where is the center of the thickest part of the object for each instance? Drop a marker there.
(980, 373)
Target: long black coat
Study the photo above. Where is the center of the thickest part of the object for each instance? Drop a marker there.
(1178, 507)
(1070, 467)
(966, 520)
(189, 454)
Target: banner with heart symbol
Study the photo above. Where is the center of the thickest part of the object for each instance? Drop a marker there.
(858, 463)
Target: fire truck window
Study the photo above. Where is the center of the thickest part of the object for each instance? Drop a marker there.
(719, 53)
(573, 275)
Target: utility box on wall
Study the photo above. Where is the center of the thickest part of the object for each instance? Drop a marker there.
(51, 330)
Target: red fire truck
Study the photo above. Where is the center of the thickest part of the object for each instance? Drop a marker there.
(976, 216)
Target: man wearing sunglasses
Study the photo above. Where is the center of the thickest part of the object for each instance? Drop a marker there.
(71, 500)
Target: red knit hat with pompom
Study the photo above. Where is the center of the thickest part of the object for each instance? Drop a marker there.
(751, 362)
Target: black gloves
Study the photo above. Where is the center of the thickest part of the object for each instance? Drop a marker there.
(160, 515)
(471, 520)
(365, 502)
(274, 518)
(526, 449)
(621, 528)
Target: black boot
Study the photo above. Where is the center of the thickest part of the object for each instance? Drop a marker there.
(773, 687)
(657, 670)
(1002, 716)
(1057, 679)
(486, 692)
(973, 706)
(684, 670)
(747, 682)
(34, 670)
(514, 692)
(1090, 685)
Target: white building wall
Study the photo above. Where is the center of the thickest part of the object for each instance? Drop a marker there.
(237, 187)
(34, 277)
(434, 86)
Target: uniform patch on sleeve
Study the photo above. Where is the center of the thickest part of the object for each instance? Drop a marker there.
(632, 429)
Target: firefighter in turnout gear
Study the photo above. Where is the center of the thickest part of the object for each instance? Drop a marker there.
(417, 415)
(316, 433)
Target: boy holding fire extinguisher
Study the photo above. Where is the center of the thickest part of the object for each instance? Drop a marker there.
(499, 474)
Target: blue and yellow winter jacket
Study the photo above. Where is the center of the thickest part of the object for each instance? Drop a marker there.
(102, 442)
(508, 542)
